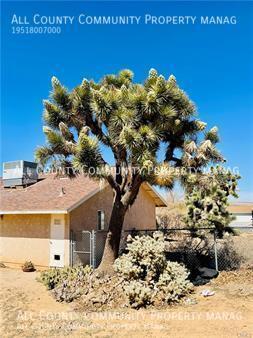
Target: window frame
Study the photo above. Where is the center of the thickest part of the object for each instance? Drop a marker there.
(101, 220)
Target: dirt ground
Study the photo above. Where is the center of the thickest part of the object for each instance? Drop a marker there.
(28, 310)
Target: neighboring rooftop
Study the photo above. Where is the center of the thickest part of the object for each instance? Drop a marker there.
(54, 194)
(241, 207)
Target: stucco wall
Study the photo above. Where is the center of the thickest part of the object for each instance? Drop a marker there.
(67, 240)
(140, 216)
(84, 217)
(27, 237)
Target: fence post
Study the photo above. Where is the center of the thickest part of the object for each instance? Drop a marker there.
(215, 251)
(71, 248)
(93, 248)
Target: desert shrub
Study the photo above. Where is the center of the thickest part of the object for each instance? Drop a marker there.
(73, 286)
(228, 257)
(198, 252)
(171, 219)
(51, 278)
(147, 274)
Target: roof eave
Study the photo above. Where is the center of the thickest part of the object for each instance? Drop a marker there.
(85, 198)
(159, 200)
(25, 212)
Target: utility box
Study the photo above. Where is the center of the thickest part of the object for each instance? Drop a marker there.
(19, 173)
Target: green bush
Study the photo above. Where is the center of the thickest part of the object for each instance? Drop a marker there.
(147, 275)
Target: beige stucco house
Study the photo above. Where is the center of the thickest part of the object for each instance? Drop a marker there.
(39, 221)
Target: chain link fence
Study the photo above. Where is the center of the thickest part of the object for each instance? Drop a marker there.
(194, 248)
(203, 248)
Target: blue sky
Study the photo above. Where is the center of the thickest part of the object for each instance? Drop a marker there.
(211, 63)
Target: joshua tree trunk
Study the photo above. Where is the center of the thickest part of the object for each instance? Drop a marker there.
(112, 242)
(120, 206)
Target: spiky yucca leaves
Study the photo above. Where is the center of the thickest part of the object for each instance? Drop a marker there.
(212, 135)
(165, 175)
(56, 141)
(87, 154)
(132, 119)
(207, 198)
(44, 154)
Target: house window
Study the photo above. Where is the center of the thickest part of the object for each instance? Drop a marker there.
(101, 220)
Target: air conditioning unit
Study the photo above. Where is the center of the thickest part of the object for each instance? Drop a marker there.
(18, 173)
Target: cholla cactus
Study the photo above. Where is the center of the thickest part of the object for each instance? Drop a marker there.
(138, 294)
(147, 275)
(173, 282)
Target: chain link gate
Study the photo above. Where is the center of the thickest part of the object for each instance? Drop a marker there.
(82, 251)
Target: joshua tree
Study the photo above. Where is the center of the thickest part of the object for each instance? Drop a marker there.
(135, 121)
